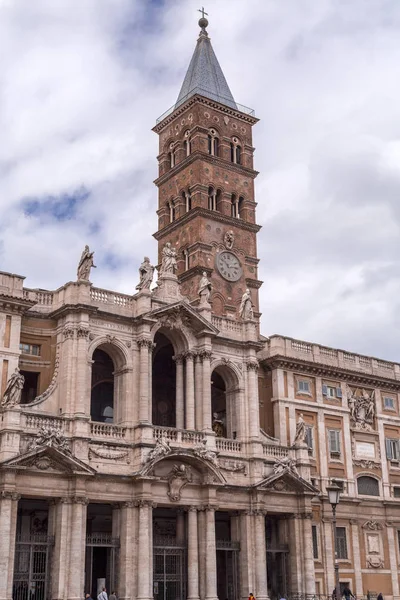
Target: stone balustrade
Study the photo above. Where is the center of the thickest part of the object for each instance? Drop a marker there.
(179, 436)
(227, 445)
(107, 430)
(275, 451)
(99, 296)
(35, 421)
(292, 348)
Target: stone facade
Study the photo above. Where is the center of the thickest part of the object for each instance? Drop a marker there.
(159, 445)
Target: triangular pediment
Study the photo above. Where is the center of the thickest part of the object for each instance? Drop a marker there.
(286, 481)
(181, 313)
(48, 460)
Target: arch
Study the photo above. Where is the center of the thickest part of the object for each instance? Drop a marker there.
(213, 142)
(163, 382)
(368, 485)
(224, 399)
(236, 151)
(187, 143)
(102, 387)
(205, 467)
(178, 336)
(114, 348)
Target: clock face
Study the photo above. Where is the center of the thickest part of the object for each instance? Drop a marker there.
(229, 266)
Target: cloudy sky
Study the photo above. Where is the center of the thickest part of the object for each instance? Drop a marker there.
(82, 83)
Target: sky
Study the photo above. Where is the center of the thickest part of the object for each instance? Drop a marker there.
(82, 84)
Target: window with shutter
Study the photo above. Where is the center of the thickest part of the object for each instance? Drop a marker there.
(388, 403)
(309, 439)
(303, 386)
(339, 393)
(315, 541)
(392, 449)
(334, 442)
(341, 543)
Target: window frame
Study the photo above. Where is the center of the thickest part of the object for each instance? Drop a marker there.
(26, 348)
(392, 444)
(368, 476)
(345, 547)
(301, 382)
(335, 454)
(315, 541)
(389, 408)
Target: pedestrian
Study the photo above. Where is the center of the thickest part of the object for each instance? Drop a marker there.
(380, 596)
(113, 596)
(251, 597)
(88, 597)
(347, 593)
(103, 594)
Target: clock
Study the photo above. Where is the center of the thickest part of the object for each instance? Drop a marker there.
(229, 266)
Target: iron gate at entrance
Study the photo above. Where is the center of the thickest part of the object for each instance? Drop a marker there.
(101, 562)
(32, 566)
(169, 569)
(228, 569)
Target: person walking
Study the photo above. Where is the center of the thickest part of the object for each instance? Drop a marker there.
(113, 596)
(380, 596)
(103, 594)
(88, 597)
(251, 597)
(347, 593)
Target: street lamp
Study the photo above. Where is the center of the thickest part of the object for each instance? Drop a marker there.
(333, 492)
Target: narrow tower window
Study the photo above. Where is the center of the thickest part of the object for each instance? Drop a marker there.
(236, 151)
(187, 143)
(171, 155)
(188, 200)
(172, 211)
(213, 143)
(186, 258)
(240, 208)
(234, 206)
(212, 199)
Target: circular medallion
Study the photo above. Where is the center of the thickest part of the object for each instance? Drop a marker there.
(229, 266)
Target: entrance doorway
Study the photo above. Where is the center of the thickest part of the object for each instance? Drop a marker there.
(277, 557)
(101, 550)
(228, 548)
(169, 554)
(32, 552)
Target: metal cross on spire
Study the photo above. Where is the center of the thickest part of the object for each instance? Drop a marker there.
(202, 12)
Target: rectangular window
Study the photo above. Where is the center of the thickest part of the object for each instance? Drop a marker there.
(310, 439)
(33, 349)
(341, 543)
(332, 392)
(388, 403)
(31, 387)
(392, 449)
(396, 491)
(334, 442)
(315, 541)
(303, 386)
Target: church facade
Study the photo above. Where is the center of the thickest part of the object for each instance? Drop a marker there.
(156, 443)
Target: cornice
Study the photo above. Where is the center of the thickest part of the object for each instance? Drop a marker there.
(329, 371)
(203, 100)
(15, 304)
(208, 158)
(71, 308)
(203, 212)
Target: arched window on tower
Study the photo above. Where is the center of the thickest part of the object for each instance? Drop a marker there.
(172, 211)
(213, 143)
(187, 143)
(102, 393)
(171, 155)
(240, 207)
(234, 203)
(212, 199)
(187, 199)
(236, 151)
(186, 258)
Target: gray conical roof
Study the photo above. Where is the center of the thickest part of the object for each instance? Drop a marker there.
(204, 75)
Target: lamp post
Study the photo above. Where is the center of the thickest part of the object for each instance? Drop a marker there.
(333, 492)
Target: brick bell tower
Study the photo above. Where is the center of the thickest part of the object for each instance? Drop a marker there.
(206, 206)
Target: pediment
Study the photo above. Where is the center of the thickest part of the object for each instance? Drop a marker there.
(48, 459)
(286, 481)
(210, 472)
(183, 314)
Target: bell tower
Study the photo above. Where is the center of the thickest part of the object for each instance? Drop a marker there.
(206, 206)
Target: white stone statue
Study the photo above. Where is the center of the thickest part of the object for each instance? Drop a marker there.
(146, 271)
(162, 448)
(13, 391)
(285, 464)
(301, 431)
(168, 262)
(203, 452)
(246, 307)
(204, 289)
(51, 437)
(362, 408)
(85, 264)
(229, 239)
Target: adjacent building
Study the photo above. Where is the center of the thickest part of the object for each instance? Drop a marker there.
(156, 443)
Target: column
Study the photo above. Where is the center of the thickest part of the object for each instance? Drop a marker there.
(83, 369)
(179, 405)
(356, 558)
(76, 574)
(127, 571)
(8, 526)
(211, 554)
(144, 346)
(145, 550)
(189, 390)
(295, 553)
(329, 555)
(180, 526)
(252, 387)
(206, 404)
(246, 565)
(193, 555)
(261, 592)
(198, 392)
(309, 572)
(60, 558)
(201, 531)
(392, 559)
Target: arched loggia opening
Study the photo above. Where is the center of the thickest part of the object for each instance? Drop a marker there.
(163, 383)
(102, 388)
(224, 401)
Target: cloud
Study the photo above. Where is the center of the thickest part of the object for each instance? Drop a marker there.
(81, 89)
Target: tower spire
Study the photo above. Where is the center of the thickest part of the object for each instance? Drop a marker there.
(204, 75)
